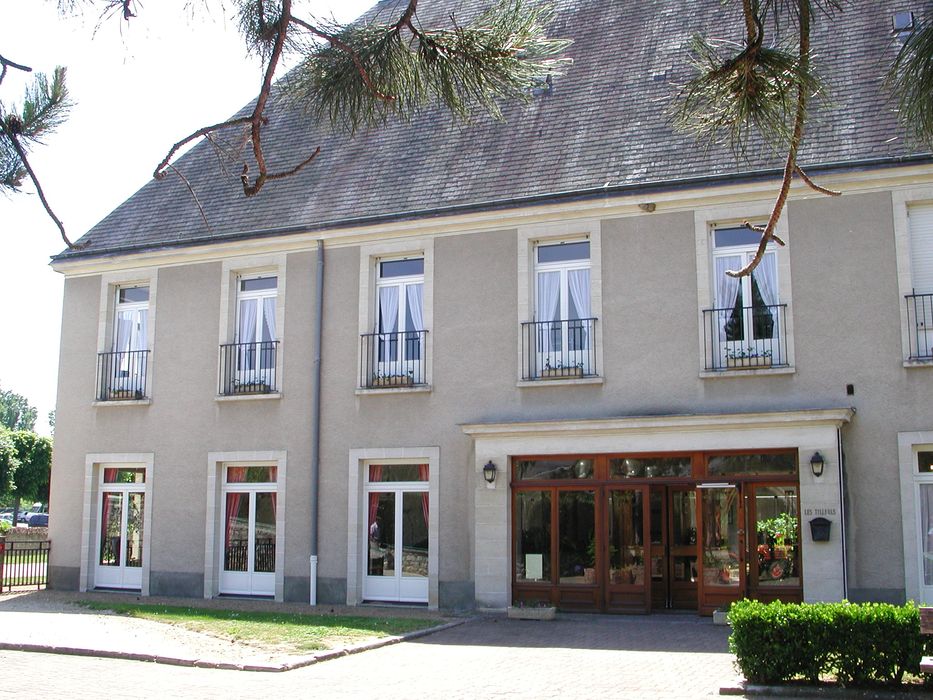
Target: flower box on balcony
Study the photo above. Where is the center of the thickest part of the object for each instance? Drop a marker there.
(125, 394)
(393, 380)
(252, 388)
(562, 373)
(522, 613)
(748, 362)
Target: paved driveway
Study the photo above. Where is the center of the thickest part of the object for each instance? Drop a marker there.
(577, 656)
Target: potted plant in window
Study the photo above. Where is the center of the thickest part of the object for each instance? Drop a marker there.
(391, 380)
(561, 371)
(747, 357)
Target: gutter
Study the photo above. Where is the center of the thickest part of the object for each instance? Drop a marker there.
(841, 456)
(316, 418)
(584, 194)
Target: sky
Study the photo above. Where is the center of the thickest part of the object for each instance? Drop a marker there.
(137, 88)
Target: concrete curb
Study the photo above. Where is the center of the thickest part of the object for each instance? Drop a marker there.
(224, 666)
(816, 691)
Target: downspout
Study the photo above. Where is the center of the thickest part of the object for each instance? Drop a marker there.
(316, 416)
(841, 456)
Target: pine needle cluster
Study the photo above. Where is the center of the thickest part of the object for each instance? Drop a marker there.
(910, 80)
(369, 73)
(742, 91)
(45, 107)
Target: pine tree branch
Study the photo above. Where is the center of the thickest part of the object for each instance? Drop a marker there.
(21, 152)
(6, 63)
(812, 185)
(159, 172)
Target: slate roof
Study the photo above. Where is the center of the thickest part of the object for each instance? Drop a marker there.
(603, 129)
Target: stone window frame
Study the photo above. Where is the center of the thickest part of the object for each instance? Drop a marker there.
(370, 256)
(232, 271)
(706, 219)
(529, 238)
(93, 465)
(357, 533)
(216, 463)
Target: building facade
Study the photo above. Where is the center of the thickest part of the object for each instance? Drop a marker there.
(523, 396)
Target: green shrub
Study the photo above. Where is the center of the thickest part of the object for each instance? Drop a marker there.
(861, 644)
(5, 527)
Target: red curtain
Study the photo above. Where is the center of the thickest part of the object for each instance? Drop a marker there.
(423, 476)
(234, 475)
(375, 475)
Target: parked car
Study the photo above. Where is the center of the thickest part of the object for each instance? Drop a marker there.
(38, 520)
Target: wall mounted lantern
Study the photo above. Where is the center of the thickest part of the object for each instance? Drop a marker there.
(816, 464)
(489, 472)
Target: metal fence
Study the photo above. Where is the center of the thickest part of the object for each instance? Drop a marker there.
(392, 359)
(24, 564)
(121, 376)
(560, 349)
(745, 337)
(920, 326)
(248, 368)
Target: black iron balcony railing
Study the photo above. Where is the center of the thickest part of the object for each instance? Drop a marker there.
(389, 360)
(563, 349)
(248, 368)
(121, 376)
(745, 337)
(920, 325)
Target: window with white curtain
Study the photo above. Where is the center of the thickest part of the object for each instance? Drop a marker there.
(255, 326)
(746, 312)
(399, 314)
(130, 338)
(562, 303)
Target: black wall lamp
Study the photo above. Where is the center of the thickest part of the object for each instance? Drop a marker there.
(489, 472)
(816, 464)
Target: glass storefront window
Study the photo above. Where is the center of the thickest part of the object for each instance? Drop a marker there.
(778, 532)
(721, 537)
(649, 467)
(780, 463)
(113, 475)
(533, 536)
(544, 469)
(576, 524)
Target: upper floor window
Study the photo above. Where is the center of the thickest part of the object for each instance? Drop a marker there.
(248, 365)
(396, 350)
(563, 328)
(121, 373)
(920, 298)
(746, 323)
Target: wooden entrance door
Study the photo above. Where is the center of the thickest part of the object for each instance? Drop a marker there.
(673, 565)
(625, 580)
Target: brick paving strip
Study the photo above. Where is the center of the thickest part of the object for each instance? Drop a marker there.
(54, 622)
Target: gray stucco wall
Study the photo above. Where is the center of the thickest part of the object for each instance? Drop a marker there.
(847, 331)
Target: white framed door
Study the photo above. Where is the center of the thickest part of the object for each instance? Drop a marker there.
(923, 493)
(121, 511)
(249, 534)
(396, 548)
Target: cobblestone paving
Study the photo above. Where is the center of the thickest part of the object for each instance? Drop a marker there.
(576, 656)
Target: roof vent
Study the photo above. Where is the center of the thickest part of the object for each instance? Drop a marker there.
(902, 24)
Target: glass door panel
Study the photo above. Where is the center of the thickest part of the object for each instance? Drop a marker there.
(533, 536)
(236, 532)
(249, 543)
(626, 538)
(415, 534)
(576, 522)
(682, 548)
(925, 494)
(264, 534)
(776, 542)
(381, 535)
(723, 547)
(111, 533)
(134, 530)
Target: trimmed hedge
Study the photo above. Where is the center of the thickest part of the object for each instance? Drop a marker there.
(859, 644)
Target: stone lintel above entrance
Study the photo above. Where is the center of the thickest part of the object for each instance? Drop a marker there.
(806, 431)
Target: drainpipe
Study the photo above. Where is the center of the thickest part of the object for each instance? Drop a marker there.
(316, 415)
(841, 456)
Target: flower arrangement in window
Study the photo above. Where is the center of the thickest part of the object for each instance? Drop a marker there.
(747, 357)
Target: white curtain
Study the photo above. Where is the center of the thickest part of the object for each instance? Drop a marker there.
(766, 277)
(142, 334)
(415, 306)
(246, 331)
(268, 319)
(548, 310)
(579, 283)
(123, 343)
(388, 309)
(727, 289)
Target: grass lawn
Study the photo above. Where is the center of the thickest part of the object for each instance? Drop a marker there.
(288, 632)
